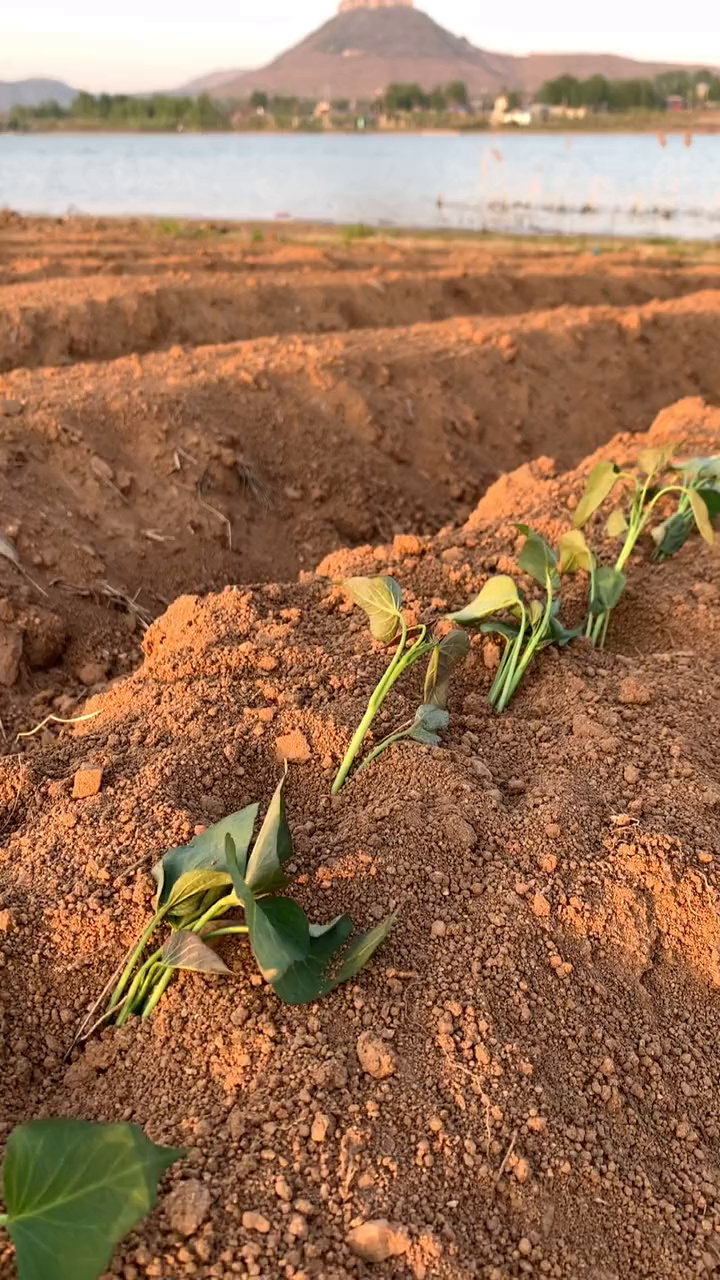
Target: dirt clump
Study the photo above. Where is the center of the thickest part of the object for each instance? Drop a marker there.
(548, 999)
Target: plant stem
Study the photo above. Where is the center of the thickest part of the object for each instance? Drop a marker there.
(386, 742)
(137, 986)
(217, 909)
(400, 663)
(4, 1220)
(158, 992)
(508, 686)
(134, 957)
(230, 928)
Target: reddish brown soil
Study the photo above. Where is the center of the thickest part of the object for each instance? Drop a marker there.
(554, 1105)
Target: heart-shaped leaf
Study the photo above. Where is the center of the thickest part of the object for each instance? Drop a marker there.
(609, 586)
(617, 525)
(672, 534)
(272, 848)
(73, 1189)
(447, 654)
(498, 593)
(536, 558)
(201, 865)
(562, 635)
(701, 516)
(305, 980)
(652, 460)
(185, 950)
(279, 935)
(361, 949)
(600, 484)
(428, 719)
(381, 600)
(704, 468)
(575, 553)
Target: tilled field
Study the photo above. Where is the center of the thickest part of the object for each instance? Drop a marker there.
(185, 413)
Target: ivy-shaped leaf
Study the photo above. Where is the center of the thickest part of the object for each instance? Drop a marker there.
(574, 552)
(381, 600)
(186, 950)
(609, 586)
(196, 867)
(73, 1189)
(701, 516)
(428, 719)
(498, 593)
(447, 654)
(652, 460)
(600, 484)
(272, 848)
(537, 558)
(617, 525)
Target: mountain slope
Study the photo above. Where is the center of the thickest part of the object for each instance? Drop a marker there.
(30, 93)
(359, 52)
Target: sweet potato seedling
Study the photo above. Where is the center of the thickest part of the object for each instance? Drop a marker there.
(702, 475)
(202, 885)
(72, 1190)
(381, 600)
(647, 489)
(525, 626)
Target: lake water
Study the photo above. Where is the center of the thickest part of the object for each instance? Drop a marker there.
(616, 184)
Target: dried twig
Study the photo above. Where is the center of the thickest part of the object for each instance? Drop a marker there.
(28, 733)
(506, 1157)
(208, 507)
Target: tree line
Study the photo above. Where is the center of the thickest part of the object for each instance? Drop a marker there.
(598, 93)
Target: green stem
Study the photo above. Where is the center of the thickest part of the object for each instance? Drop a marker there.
(513, 659)
(217, 909)
(137, 987)
(386, 742)
(158, 992)
(530, 649)
(230, 928)
(4, 1220)
(134, 957)
(400, 663)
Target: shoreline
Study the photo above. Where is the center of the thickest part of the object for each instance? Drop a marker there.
(679, 129)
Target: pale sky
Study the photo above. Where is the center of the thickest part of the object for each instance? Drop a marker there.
(153, 44)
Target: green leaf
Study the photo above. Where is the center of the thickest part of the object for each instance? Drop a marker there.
(701, 516)
(700, 468)
(447, 654)
(609, 586)
(617, 524)
(574, 552)
(672, 534)
(509, 630)
(361, 949)
(272, 848)
(201, 865)
(381, 600)
(73, 1189)
(428, 719)
(306, 980)
(279, 935)
(600, 484)
(498, 593)
(561, 635)
(185, 950)
(536, 558)
(652, 460)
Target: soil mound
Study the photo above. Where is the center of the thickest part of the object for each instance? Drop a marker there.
(547, 1005)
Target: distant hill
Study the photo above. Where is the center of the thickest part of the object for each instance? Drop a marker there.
(30, 93)
(209, 83)
(371, 43)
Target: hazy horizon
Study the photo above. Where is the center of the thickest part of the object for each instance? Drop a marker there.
(125, 52)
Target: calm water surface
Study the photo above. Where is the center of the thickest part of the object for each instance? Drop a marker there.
(616, 183)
